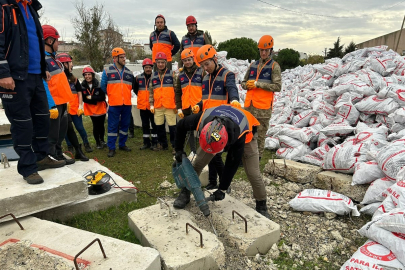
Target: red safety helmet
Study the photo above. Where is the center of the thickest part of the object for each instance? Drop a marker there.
(50, 31)
(161, 56)
(191, 20)
(88, 70)
(213, 137)
(160, 16)
(64, 57)
(147, 62)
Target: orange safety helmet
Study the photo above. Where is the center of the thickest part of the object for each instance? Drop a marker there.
(50, 31)
(117, 51)
(265, 42)
(206, 52)
(88, 70)
(147, 62)
(213, 137)
(161, 56)
(186, 53)
(191, 20)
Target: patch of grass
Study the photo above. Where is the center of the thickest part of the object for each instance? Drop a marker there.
(285, 262)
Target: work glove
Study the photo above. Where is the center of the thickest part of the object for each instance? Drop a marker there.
(180, 69)
(180, 113)
(53, 113)
(152, 109)
(218, 195)
(80, 111)
(196, 109)
(236, 104)
(179, 156)
(250, 84)
(88, 96)
(67, 107)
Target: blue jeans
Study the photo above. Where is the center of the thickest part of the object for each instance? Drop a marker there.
(118, 117)
(78, 122)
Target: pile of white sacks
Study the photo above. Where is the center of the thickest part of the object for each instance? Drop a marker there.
(348, 116)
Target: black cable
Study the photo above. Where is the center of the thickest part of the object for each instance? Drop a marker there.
(139, 191)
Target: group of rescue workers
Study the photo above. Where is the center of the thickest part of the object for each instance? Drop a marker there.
(203, 94)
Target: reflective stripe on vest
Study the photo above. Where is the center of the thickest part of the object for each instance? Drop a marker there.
(161, 43)
(191, 89)
(58, 85)
(119, 89)
(163, 90)
(244, 119)
(74, 103)
(217, 94)
(261, 99)
(143, 93)
(194, 45)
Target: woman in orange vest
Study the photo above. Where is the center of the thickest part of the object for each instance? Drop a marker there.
(262, 79)
(94, 105)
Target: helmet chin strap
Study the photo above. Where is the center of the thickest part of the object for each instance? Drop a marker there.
(51, 45)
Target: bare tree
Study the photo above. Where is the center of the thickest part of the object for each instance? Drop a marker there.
(43, 20)
(111, 38)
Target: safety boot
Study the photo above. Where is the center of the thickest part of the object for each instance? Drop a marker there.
(183, 199)
(80, 155)
(145, 146)
(88, 148)
(50, 163)
(71, 149)
(211, 185)
(33, 179)
(111, 153)
(69, 161)
(261, 208)
(125, 148)
(99, 146)
(103, 144)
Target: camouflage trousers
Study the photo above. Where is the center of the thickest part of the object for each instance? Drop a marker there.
(263, 116)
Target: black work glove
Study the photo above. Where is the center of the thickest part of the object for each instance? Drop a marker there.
(179, 156)
(218, 195)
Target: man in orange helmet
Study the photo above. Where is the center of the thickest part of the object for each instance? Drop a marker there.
(163, 40)
(194, 39)
(162, 101)
(262, 79)
(24, 98)
(140, 88)
(116, 82)
(218, 88)
(188, 88)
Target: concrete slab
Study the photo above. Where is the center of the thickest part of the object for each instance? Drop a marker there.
(115, 196)
(66, 242)
(61, 186)
(292, 170)
(340, 183)
(154, 227)
(261, 234)
(4, 123)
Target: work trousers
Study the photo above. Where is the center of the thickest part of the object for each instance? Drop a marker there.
(71, 134)
(57, 131)
(118, 117)
(78, 123)
(215, 168)
(147, 119)
(250, 161)
(98, 127)
(26, 108)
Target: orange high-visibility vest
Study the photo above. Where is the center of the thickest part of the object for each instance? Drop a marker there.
(193, 45)
(74, 103)
(143, 93)
(216, 94)
(58, 85)
(191, 88)
(161, 43)
(163, 90)
(258, 97)
(100, 108)
(119, 89)
(244, 119)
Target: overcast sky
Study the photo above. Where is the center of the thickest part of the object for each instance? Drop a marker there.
(226, 19)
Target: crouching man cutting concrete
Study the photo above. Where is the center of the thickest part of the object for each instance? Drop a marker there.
(229, 129)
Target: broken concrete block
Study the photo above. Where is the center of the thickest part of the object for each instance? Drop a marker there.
(261, 234)
(4, 123)
(340, 183)
(61, 186)
(165, 230)
(292, 170)
(65, 243)
(115, 196)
